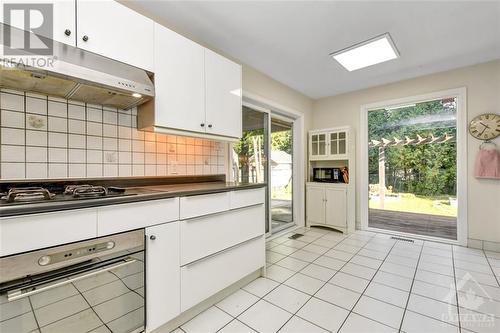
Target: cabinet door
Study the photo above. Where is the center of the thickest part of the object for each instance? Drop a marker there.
(223, 95)
(63, 17)
(108, 28)
(318, 146)
(179, 82)
(315, 205)
(336, 207)
(338, 144)
(162, 274)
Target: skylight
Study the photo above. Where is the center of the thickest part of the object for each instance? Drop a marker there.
(367, 53)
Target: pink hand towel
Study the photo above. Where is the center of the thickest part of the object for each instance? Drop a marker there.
(487, 164)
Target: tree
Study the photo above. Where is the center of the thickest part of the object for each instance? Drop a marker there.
(428, 169)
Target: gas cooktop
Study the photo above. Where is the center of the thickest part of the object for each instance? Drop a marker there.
(23, 195)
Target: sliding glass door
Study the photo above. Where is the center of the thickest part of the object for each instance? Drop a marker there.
(412, 168)
(265, 155)
(281, 173)
(250, 154)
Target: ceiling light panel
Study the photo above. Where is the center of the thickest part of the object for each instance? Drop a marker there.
(368, 53)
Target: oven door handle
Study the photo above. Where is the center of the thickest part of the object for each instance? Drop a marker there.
(20, 293)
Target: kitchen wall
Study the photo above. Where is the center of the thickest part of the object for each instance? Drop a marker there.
(46, 137)
(483, 95)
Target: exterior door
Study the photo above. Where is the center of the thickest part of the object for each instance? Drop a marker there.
(335, 199)
(315, 205)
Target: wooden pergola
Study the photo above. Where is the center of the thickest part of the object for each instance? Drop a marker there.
(407, 141)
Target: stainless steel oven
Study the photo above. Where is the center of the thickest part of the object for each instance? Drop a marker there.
(90, 286)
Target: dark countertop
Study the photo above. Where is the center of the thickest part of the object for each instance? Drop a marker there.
(132, 194)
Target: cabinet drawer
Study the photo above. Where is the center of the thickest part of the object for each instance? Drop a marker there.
(245, 198)
(198, 205)
(26, 233)
(117, 218)
(210, 275)
(206, 235)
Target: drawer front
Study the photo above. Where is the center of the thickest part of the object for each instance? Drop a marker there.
(26, 233)
(206, 235)
(245, 198)
(208, 276)
(118, 218)
(198, 205)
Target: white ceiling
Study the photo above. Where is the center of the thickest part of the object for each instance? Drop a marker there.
(290, 41)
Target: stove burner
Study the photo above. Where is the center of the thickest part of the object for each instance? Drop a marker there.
(27, 194)
(85, 191)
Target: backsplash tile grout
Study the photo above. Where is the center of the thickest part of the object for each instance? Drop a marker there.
(45, 137)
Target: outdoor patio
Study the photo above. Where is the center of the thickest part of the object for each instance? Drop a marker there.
(420, 224)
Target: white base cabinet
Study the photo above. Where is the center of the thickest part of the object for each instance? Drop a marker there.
(327, 206)
(207, 276)
(187, 261)
(162, 274)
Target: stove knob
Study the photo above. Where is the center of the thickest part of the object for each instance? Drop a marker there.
(43, 261)
(110, 245)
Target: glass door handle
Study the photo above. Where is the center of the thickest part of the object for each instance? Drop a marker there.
(21, 293)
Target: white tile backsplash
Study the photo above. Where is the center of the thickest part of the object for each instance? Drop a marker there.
(57, 109)
(12, 119)
(36, 105)
(44, 137)
(12, 102)
(36, 138)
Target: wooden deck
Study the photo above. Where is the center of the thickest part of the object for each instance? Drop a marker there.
(420, 224)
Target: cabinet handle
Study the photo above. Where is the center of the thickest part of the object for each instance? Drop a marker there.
(152, 237)
(202, 125)
(67, 32)
(209, 125)
(85, 38)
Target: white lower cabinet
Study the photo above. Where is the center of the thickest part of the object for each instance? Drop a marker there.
(162, 274)
(119, 218)
(31, 232)
(207, 276)
(209, 234)
(336, 207)
(326, 205)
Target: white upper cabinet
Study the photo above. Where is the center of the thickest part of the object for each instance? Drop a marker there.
(223, 95)
(198, 92)
(108, 28)
(63, 18)
(180, 81)
(318, 145)
(332, 144)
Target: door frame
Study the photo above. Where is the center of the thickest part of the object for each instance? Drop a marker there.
(462, 181)
(262, 104)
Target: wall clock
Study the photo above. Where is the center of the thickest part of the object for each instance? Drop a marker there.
(485, 126)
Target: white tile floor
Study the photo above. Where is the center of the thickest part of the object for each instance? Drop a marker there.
(366, 282)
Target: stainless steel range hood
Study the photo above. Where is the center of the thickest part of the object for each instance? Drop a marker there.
(76, 74)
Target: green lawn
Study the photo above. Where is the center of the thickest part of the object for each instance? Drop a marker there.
(419, 204)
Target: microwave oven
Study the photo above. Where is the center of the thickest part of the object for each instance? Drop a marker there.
(328, 175)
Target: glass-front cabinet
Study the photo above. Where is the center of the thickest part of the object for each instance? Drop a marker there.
(328, 144)
(318, 145)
